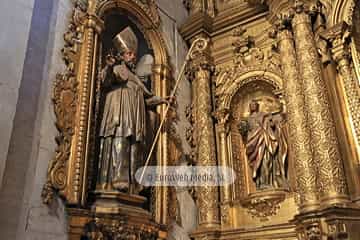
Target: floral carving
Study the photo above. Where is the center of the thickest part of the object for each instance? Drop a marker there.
(65, 98)
(118, 229)
(264, 204)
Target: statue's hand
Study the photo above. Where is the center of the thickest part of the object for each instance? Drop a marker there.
(121, 72)
(110, 60)
(170, 100)
(102, 74)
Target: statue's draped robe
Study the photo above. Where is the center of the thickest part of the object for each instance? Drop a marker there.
(123, 127)
(266, 150)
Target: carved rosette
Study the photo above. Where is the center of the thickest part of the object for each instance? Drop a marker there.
(299, 134)
(331, 179)
(207, 197)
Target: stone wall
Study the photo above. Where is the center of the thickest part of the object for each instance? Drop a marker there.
(31, 145)
(173, 14)
(38, 221)
(15, 25)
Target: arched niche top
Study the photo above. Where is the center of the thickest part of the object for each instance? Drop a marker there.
(145, 16)
(342, 10)
(237, 81)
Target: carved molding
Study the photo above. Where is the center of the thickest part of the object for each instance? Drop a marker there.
(148, 7)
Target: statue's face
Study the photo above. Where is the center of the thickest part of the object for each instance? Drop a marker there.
(129, 57)
(254, 107)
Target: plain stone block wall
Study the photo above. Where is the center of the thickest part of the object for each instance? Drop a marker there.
(15, 19)
(173, 14)
(31, 124)
(39, 221)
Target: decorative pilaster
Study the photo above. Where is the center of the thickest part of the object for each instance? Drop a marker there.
(299, 134)
(339, 37)
(86, 80)
(331, 179)
(207, 197)
(222, 129)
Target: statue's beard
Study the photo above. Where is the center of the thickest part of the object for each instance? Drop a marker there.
(131, 65)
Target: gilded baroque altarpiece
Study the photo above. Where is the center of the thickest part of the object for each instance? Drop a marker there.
(275, 96)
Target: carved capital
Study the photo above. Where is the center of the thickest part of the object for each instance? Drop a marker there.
(284, 19)
(301, 13)
(338, 36)
(222, 118)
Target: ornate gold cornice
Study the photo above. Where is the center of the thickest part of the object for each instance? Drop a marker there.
(201, 22)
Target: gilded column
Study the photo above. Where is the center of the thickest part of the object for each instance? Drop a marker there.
(299, 134)
(324, 142)
(222, 129)
(91, 26)
(339, 36)
(207, 197)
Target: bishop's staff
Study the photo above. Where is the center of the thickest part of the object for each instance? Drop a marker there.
(199, 45)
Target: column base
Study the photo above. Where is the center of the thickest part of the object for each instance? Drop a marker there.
(331, 223)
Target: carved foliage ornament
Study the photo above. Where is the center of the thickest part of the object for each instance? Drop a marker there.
(118, 229)
(65, 99)
(264, 205)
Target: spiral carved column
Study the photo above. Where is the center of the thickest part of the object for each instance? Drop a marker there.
(299, 138)
(207, 197)
(331, 179)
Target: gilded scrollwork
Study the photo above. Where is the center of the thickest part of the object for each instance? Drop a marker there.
(65, 99)
(118, 229)
(264, 205)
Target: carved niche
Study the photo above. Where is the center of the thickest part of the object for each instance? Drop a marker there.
(77, 103)
(254, 76)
